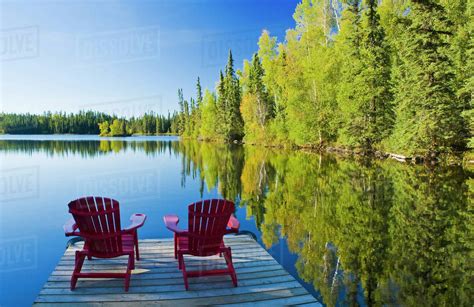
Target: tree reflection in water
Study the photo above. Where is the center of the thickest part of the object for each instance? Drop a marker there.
(365, 232)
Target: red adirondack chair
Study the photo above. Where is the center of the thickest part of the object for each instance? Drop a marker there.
(97, 220)
(207, 224)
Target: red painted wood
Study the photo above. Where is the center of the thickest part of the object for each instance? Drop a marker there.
(97, 220)
(207, 224)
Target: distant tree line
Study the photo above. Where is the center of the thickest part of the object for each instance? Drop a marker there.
(365, 75)
(147, 124)
(87, 122)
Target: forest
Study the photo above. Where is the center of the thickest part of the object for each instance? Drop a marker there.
(87, 122)
(387, 76)
(368, 232)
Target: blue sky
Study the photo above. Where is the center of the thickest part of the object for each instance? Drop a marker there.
(124, 57)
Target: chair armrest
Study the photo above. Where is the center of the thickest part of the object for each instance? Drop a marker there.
(171, 222)
(233, 225)
(136, 221)
(70, 228)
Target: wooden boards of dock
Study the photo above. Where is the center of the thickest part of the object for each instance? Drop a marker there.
(156, 280)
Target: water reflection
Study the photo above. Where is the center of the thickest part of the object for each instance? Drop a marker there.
(88, 148)
(365, 232)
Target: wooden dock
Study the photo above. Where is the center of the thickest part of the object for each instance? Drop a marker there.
(157, 280)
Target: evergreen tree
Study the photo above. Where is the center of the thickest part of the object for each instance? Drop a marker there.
(222, 108)
(348, 46)
(198, 93)
(257, 107)
(429, 118)
(232, 96)
(460, 13)
(182, 114)
(197, 112)
(467, 88)
(264, 108)
(371, 75)
(186, 119)
(371, 113)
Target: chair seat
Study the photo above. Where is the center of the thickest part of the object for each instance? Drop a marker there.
(127, 244)
(183, 245)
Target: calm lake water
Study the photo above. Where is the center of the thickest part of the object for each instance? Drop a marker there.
(354, 232)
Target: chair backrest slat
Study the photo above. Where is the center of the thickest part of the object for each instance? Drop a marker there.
(110, 222)
(103, 223)
(96, 217)
(118, 229)
(207, 222)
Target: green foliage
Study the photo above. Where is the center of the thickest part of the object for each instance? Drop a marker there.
(227, 110)
(210, 125)
(229, 103)
(429, 118)
(257, 106)
(84, 122)
(348, 44)
(364, 232)
(368, 75)
(367, 233)
(311, 74)
(365, 96)
(104, 128)
(118, 128)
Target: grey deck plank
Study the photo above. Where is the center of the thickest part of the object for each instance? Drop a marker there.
(157, 280)
(111, 283)
(167, 287)
(133, 297)
(144, 273)
(217, 300)
(293, 300)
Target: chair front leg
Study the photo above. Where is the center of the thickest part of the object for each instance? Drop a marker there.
(130, 267)
(79, 261)
(230, 266)
(135, 242)
(175, 246)
(182, 267)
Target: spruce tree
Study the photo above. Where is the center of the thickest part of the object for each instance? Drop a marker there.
(198, 109)
(182, 115)
(467, 89)
(460, 13)
(348, 44)
(198, 92)
(429, 120)
(264, 106)
(232, 97)
(222, 109)
(373, 116)
(257, 106)
(186, 119)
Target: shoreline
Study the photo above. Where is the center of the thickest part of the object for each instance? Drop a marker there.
(465, 158)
